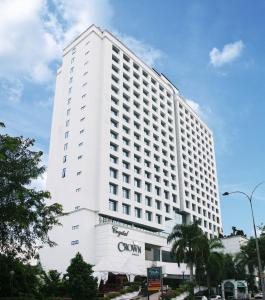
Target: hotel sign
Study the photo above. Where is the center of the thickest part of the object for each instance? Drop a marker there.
(133, 248)
(116, 230)
(130, 247)
(154, 278)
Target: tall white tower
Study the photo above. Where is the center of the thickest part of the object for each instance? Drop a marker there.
(125, 149)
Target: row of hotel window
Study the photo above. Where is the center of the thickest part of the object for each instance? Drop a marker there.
(198, 200)
(206, 224)
(126, 193)
(126, 165)
(137, 158)
(202, 211)
(191, 117)
(137, 92)
(137, 182)
(138, 197)
(146, 121)
(126, 209)
(137, 113)
(127, 141)
(136, 67)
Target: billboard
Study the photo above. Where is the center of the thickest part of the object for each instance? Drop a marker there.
(154, 278)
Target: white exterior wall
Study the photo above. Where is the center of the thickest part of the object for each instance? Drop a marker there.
(97, 71)
(232, 244)
(197, 171)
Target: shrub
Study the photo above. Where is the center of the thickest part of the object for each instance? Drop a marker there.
(112, 295)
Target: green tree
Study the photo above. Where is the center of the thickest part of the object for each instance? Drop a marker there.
(187, 242)
(53, 285)
(248, 258)
(229, 267)
(213, 260)
(25, 217)
(18, 278)
(80, 283)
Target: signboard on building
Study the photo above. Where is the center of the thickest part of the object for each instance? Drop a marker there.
(154, 278)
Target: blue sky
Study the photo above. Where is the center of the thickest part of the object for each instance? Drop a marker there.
(212, 50)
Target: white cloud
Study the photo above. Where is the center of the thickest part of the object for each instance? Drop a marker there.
(79, 14)
(32, 36)
(34, 32)
(229, 53)
(145, 51)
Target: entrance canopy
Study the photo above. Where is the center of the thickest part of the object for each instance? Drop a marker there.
(127, 266)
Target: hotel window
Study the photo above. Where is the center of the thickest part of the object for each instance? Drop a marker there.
(158, 219)
(126, 193)
(157, 189)
(79, 156)
(113, 189)
(148, 215)
(125, 129)
(137, 158)
(115, 58)
(115, 49)
(147, 174)
(63, 172)
(115, 68)
(126, 153)
(113, 205)
(78, 190)
(67, 123)
(113, 147)
(126, 141)
(158, 204)
(148, 201)
(137, 170)
(75, 227)
(78, 173)
(148, 187)
(125, 178)
(137, 182)
(113, 173)
(126, 165)
(68, 111)
(137, 197)
(137, 212)
(76, 242)
(64, 158)
(126, 209)
(167, 208)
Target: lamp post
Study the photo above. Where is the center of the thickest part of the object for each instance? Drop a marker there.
(255, 232)
(12, 273)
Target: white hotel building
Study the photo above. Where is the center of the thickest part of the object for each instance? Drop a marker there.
(129, 158)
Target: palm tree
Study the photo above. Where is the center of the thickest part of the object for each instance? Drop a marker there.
(213, 260)
(187, 242)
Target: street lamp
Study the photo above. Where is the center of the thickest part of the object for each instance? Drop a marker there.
(12, 273)
(255, 232)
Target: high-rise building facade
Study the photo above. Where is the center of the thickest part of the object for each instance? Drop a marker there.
(128, 159)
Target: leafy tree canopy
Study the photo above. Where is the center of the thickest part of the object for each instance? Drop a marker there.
(79, 280)
(25, 219)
